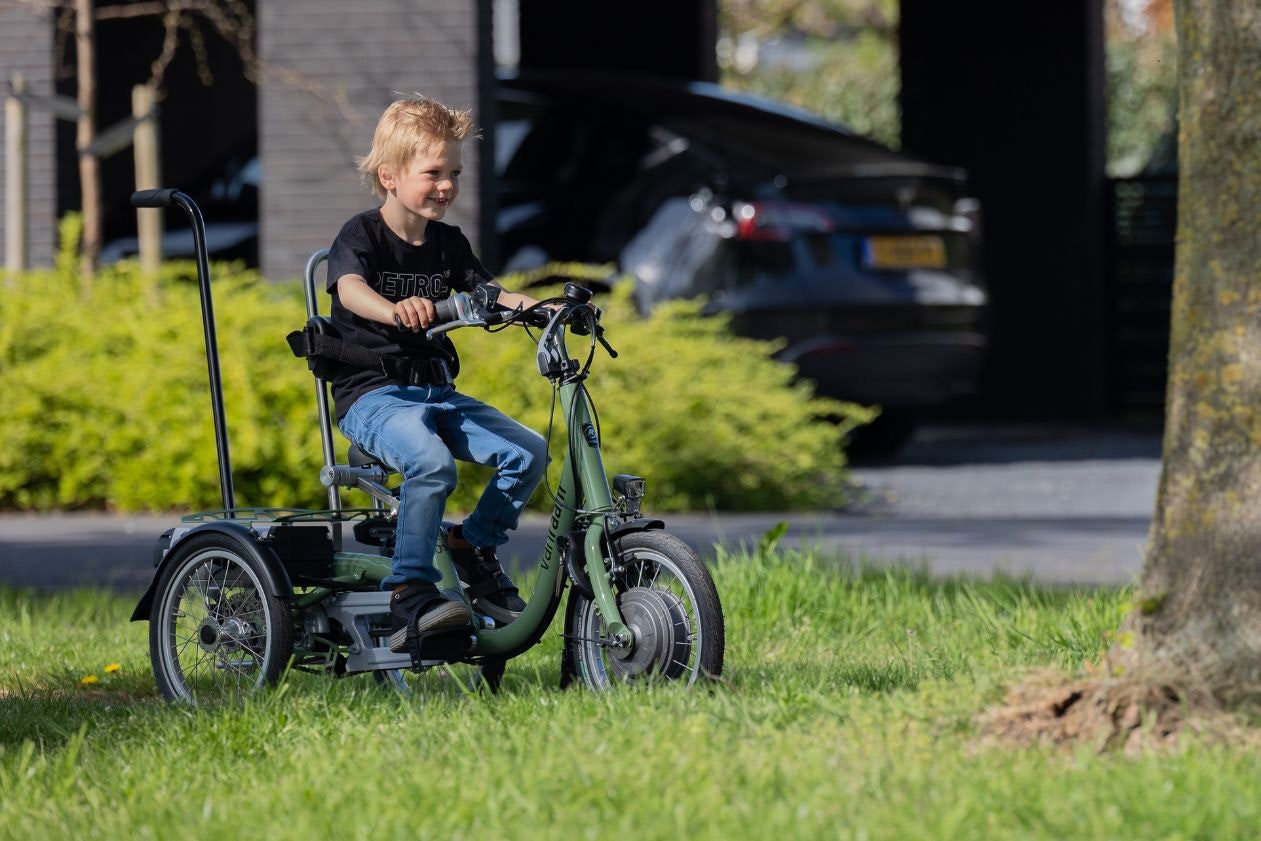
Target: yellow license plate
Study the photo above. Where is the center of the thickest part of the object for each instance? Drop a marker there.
(908, 252)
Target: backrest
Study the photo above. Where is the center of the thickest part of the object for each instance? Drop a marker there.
(323, 402)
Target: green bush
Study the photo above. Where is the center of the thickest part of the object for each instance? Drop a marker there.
(107, 403)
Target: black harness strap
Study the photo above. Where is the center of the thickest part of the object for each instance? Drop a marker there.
(309, 343)
(324, 352)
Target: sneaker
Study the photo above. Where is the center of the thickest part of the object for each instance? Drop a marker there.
(489, 587)
(421, 606)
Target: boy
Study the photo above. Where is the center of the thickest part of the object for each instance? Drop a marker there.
(386, 269)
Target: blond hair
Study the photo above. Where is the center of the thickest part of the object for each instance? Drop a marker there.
(408, 127)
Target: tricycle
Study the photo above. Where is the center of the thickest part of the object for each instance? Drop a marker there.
(240, 595)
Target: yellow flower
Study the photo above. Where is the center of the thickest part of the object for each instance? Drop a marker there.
(113, 667)
(88, 680)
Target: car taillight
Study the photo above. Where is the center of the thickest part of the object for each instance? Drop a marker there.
(778, 221)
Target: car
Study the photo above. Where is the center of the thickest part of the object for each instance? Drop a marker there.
(864, 260)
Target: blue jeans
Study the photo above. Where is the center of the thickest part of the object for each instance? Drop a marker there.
(419, 431)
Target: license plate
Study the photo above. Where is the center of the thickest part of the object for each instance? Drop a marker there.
(913, 252)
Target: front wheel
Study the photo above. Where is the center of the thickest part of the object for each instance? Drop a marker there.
(668, 601)
(216, 632)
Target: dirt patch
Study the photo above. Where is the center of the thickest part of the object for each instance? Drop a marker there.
(1108, 715)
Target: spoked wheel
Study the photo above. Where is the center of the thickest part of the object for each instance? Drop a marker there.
(216, 633)
(669, 602)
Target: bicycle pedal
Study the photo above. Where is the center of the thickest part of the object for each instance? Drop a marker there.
(447, 645)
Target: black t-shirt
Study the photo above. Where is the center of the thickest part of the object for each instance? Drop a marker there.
(395, 269)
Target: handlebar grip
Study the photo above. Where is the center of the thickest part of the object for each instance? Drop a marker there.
(163, 197)
(445, 310)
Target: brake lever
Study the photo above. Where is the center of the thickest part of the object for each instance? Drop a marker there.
(599, 334)
(433, 332)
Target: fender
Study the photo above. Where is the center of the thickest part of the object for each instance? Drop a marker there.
(632, 526)
(275, 578)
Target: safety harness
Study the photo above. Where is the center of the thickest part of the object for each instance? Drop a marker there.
(326, 352)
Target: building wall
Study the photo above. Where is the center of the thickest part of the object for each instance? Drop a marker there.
(330, 69)
(26, 47)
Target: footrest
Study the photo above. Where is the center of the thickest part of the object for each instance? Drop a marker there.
(450, 646)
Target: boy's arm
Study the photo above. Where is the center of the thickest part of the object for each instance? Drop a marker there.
(513, 300)
(356, 295)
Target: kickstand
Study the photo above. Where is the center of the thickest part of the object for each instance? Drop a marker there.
(491, 673)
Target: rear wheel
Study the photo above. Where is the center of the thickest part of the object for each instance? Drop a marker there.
(216, 632)
(668, 601)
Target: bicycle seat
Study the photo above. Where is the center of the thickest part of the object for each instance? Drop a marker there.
(359, 457)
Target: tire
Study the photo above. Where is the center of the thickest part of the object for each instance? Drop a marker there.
(668, 600)
(216, 633)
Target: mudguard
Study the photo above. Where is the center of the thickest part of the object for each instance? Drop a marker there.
(630, 526)
(276, 579)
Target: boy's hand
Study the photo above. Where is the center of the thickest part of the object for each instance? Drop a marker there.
(414, 314)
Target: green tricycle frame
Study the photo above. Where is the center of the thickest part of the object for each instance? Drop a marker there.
(241, 594)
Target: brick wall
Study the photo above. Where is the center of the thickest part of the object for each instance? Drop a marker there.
(26, 47)
(331, 68)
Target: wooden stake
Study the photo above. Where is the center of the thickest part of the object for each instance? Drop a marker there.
(148, 176)
(15, 178)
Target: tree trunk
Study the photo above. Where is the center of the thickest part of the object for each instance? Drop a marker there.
(1198, 613)
(89, 165)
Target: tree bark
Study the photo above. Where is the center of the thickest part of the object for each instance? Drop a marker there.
(1198, 612)
(89, 165)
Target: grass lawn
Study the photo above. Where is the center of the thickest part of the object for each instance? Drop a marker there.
(848, 710)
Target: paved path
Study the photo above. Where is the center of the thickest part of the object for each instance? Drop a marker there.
(1065, 506)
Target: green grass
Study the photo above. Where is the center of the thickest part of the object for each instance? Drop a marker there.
(847, 711)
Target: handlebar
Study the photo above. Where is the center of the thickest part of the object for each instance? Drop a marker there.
(479, 309)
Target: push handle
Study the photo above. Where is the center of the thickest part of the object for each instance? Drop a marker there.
(162, 197)
(171, 197)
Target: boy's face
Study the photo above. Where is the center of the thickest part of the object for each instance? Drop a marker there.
(428, 185)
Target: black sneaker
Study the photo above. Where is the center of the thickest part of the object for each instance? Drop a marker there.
(420, 605)
(489, 587)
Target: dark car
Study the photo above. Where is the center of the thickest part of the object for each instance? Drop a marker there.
(863, 258)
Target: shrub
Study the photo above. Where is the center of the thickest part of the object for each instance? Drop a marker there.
(108, 404)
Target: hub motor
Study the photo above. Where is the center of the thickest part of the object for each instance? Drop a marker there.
(662, 644)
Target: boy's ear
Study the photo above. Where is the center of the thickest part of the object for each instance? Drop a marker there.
(386, 176)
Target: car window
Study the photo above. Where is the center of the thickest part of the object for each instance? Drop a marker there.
(551, 148)
(508, 137)
(775, 144)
